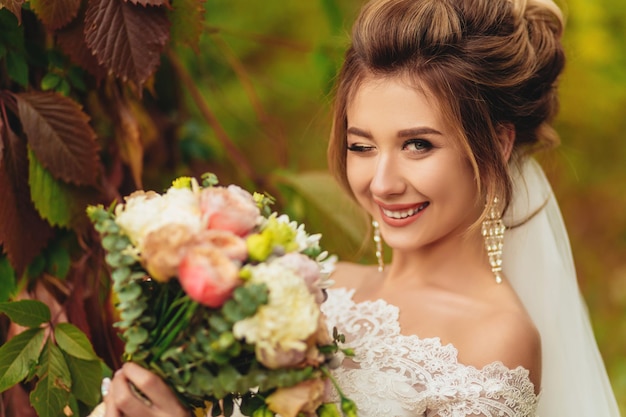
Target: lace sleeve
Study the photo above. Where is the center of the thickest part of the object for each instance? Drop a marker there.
(494, 391)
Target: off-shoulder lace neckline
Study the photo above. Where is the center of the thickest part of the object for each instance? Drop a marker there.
(396, 330)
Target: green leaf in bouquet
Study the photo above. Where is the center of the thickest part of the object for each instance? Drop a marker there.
(115, 242)
(117, 259)
(218, 323)
(228, 405)
(224, 342)
(121, 274)
(137, 335)
(86, 378)
(249, 403)
(27, 313)
(18, 355)
(74, 342)
(52, 392)
(107, 226)
(233, 311)
(129, 293)
(130, 313)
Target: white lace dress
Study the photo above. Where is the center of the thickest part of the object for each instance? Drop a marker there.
(396, 375)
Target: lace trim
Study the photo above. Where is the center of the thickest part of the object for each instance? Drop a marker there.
(399, 375)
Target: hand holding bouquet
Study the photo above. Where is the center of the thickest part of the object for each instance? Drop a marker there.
(221, 298)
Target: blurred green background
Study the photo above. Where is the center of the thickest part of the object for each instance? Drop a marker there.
(266, 68)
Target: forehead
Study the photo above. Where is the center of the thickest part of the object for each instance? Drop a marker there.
(394, 101)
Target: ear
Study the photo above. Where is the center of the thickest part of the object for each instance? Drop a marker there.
(506, 138)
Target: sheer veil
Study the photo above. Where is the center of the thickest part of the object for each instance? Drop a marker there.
(538, 263)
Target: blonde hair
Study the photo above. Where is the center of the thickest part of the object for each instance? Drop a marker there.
(490, 64)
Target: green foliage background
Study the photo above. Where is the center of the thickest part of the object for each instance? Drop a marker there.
(251, 104)
(290, 51)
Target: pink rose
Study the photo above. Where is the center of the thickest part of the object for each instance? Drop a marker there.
(208, 276)
(230, 208)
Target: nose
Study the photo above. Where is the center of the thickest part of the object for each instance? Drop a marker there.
(387, 179)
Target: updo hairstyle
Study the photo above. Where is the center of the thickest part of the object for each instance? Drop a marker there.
(490, 64)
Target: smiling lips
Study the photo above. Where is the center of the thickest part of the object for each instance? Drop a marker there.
(401, 215)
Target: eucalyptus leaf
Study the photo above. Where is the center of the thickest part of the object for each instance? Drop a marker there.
(74, 342)
(27, 313)
(18, 355)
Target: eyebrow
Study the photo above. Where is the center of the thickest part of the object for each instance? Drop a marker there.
(405, 133)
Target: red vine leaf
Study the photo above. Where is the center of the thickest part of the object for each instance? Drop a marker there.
(23, 233)
(60, 136)
(55, 13)
(126, 39)
(71, 39)
(150, 2)
(15, 7)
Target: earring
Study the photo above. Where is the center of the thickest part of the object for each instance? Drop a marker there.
(378, 242)
(493, 232)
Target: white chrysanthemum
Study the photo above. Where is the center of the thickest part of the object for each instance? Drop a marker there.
(290, 316)
(145, 212)
(303, 240)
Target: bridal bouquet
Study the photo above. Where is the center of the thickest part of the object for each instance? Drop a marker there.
(221, 298)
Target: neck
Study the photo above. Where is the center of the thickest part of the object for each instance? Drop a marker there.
(456, 262)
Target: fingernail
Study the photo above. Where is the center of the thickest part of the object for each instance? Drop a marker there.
(104, 387)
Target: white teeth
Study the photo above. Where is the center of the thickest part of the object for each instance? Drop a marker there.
(404, 213)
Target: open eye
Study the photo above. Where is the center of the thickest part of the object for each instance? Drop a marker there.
(417, 145)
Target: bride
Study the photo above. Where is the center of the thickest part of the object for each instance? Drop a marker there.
(439, 105)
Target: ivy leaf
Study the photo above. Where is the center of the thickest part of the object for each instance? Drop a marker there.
(15, 7)
(7, 279)
(73, 341)
(52, 392)
(27, 313)
(187, 19)
(59, 134)
(23, 233)
(18, 355)
(53, 200)
(86, 379)
(127, 39)
(71, 40)
(55, 14)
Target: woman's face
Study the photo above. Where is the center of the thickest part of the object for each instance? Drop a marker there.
(406, 168)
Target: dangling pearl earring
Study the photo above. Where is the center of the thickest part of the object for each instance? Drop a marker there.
(493, 232)
(378, 242)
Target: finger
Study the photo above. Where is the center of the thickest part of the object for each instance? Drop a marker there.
(124, 400)
(149, 384)
(110, 407)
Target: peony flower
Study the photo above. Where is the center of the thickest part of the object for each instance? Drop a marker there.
(145, 212)
(207, 275)
(163, 250)
(229, 208)
(283, 325)
(227, 242)
(306, 268)
(304, 397)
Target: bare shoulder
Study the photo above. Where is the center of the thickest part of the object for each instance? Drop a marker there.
(351, 275)
(508, 336)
